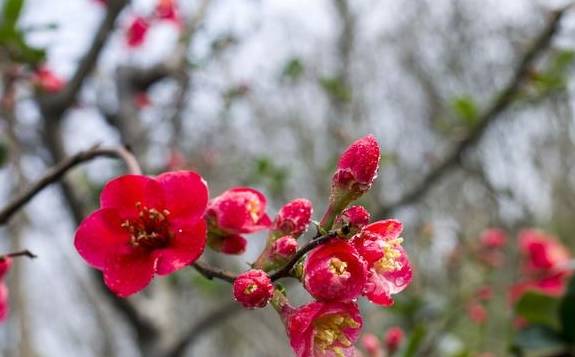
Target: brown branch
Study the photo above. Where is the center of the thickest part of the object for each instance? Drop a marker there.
(212, 272)
(21, 253)
(60, 102)
(57, 172)
(502, 102)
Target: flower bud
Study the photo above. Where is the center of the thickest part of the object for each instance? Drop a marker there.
(293, 218)
(233, 244)
(371, 345)
(253, 289)
(236, 211)
(357, 167)
(283, 249)
(393, 338)
(353, 218)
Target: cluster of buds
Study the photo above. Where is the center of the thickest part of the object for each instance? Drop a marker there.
(5, 264)
(149, 226)
(137, 30)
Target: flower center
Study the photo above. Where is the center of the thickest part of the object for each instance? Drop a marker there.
(253, 207)
(250, 289)
(337, 266)
(329, 334)
(391, 253)
(150, 230)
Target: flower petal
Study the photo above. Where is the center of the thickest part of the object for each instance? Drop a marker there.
(388, 229)
(125, 192)
(99, 236)
(185, 247)
(126, 274)
(186, 194)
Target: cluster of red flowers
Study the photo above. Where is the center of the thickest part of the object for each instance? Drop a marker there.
(5, 264)
(165, 10)
(158, 225)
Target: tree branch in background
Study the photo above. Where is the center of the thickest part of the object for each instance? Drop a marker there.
(57, 172)
(60, 102)
(21, 253)
(202, 326)
(502, 102)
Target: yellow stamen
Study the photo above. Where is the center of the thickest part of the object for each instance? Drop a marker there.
(391, 253)
(329, 335)
(337, 266)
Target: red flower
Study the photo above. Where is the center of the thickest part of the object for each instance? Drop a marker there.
(142, 100)
(393, 338)
(371, 345)
(233, 244)
(477, 313)
(546, 265)
(167, 10)
(323, 329)
(253, 288)
(283, 249)
(137, 31)
(357, 166)
(47, 81)
(3, 302)
(145, 226)
(354, 217)
(238, 210)
(293, 218)
(335, 272)
(5, 265)
(493, 238)
(389, 267)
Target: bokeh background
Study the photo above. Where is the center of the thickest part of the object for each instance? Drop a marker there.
(268, 94)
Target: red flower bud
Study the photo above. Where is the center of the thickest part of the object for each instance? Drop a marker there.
(335, 272)
(354, 218)
(233, 244)
(477, 313)
(253, 289)
(137, 31)
(371, 345)
(357, 166)
(293, 218)
(5, 265)
(493, 238)
(323, 329)
(283, 249)
(238, 210)
(167, 10)
(47, 81)
(393, 338)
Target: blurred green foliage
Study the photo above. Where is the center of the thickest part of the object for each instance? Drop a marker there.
(12, 38)
(293, 69)
(466, 110)
(266, 172)
(335, 88)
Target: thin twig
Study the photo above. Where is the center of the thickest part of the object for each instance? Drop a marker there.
(21, 253)
(57, 172)
(212, 272)
(502, 102)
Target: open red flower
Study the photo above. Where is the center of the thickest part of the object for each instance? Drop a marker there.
(145, 226)
(46, 80)
(253, 289)
(358, 165)
(293, 218)
(389, 267)
(321, 329)
(3, 301)
(354, 217)
(238, 210)
(394, 336)
(137, 31)
(335, 272)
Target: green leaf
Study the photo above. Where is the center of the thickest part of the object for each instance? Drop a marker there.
(335, 88)
(3, 154)
(293, 69)
(11, 12)
(567, 313)
(466, 109)
(537, 337)
(415, 340)
(538, 308)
